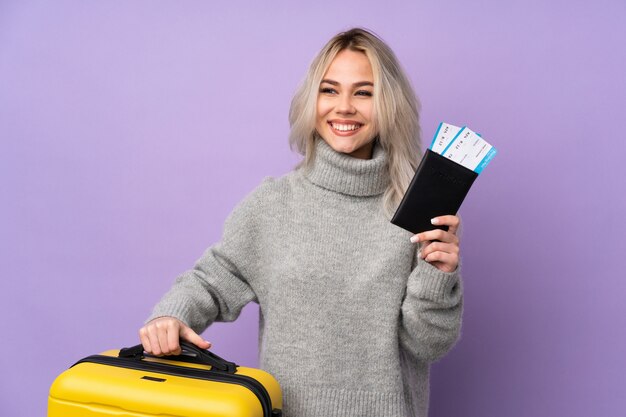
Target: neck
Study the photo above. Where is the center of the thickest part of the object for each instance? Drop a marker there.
(347, 174)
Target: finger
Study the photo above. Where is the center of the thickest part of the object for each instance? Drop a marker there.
(155, 347)
(453, 222)
(446, 262)
(440, 246)
(435, 234)
(189, 335)
(145, 340)
(162, 337)
(173, 344)
(422, 247)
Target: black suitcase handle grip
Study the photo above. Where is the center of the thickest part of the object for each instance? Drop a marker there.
(190, 353)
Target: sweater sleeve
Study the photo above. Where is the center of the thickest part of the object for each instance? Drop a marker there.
(218, 287)
(431, 312)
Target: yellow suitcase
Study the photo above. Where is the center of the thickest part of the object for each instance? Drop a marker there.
(129, 383)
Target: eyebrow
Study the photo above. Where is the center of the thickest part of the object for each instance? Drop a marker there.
(359, 84)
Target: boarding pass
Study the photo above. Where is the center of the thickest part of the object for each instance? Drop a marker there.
(463, 146)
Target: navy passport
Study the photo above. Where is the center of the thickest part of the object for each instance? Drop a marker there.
(439, 186)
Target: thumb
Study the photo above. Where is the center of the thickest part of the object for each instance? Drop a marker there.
(189, 335)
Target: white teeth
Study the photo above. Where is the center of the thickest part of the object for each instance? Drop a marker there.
(344, 128)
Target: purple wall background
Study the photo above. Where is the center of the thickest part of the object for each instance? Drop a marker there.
(129, 130)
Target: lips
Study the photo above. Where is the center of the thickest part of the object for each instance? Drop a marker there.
(344, 128)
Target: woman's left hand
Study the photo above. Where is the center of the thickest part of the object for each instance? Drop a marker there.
(440, 248)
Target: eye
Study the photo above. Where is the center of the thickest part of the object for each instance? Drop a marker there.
(328, 90)
(363, 93)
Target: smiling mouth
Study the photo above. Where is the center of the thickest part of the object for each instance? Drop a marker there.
(345, 127)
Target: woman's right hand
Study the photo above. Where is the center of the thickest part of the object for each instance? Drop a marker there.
(161, 336)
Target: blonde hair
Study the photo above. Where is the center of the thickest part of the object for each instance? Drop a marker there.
(396, 109)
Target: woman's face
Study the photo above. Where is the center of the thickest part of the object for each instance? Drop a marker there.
(345, 105)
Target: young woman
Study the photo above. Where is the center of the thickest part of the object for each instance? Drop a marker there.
(353, 308)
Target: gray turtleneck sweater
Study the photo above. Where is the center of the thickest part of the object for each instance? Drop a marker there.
(350, 317)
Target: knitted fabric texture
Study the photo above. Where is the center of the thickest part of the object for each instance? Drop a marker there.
(350, 318)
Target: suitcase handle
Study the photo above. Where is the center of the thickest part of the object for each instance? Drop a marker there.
(199, 356)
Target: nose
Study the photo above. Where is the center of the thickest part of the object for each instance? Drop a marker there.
(345, 105)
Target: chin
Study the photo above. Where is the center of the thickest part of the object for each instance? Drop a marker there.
(352, 149)
(341, 148)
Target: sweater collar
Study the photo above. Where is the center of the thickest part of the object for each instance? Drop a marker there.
(348, 175)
